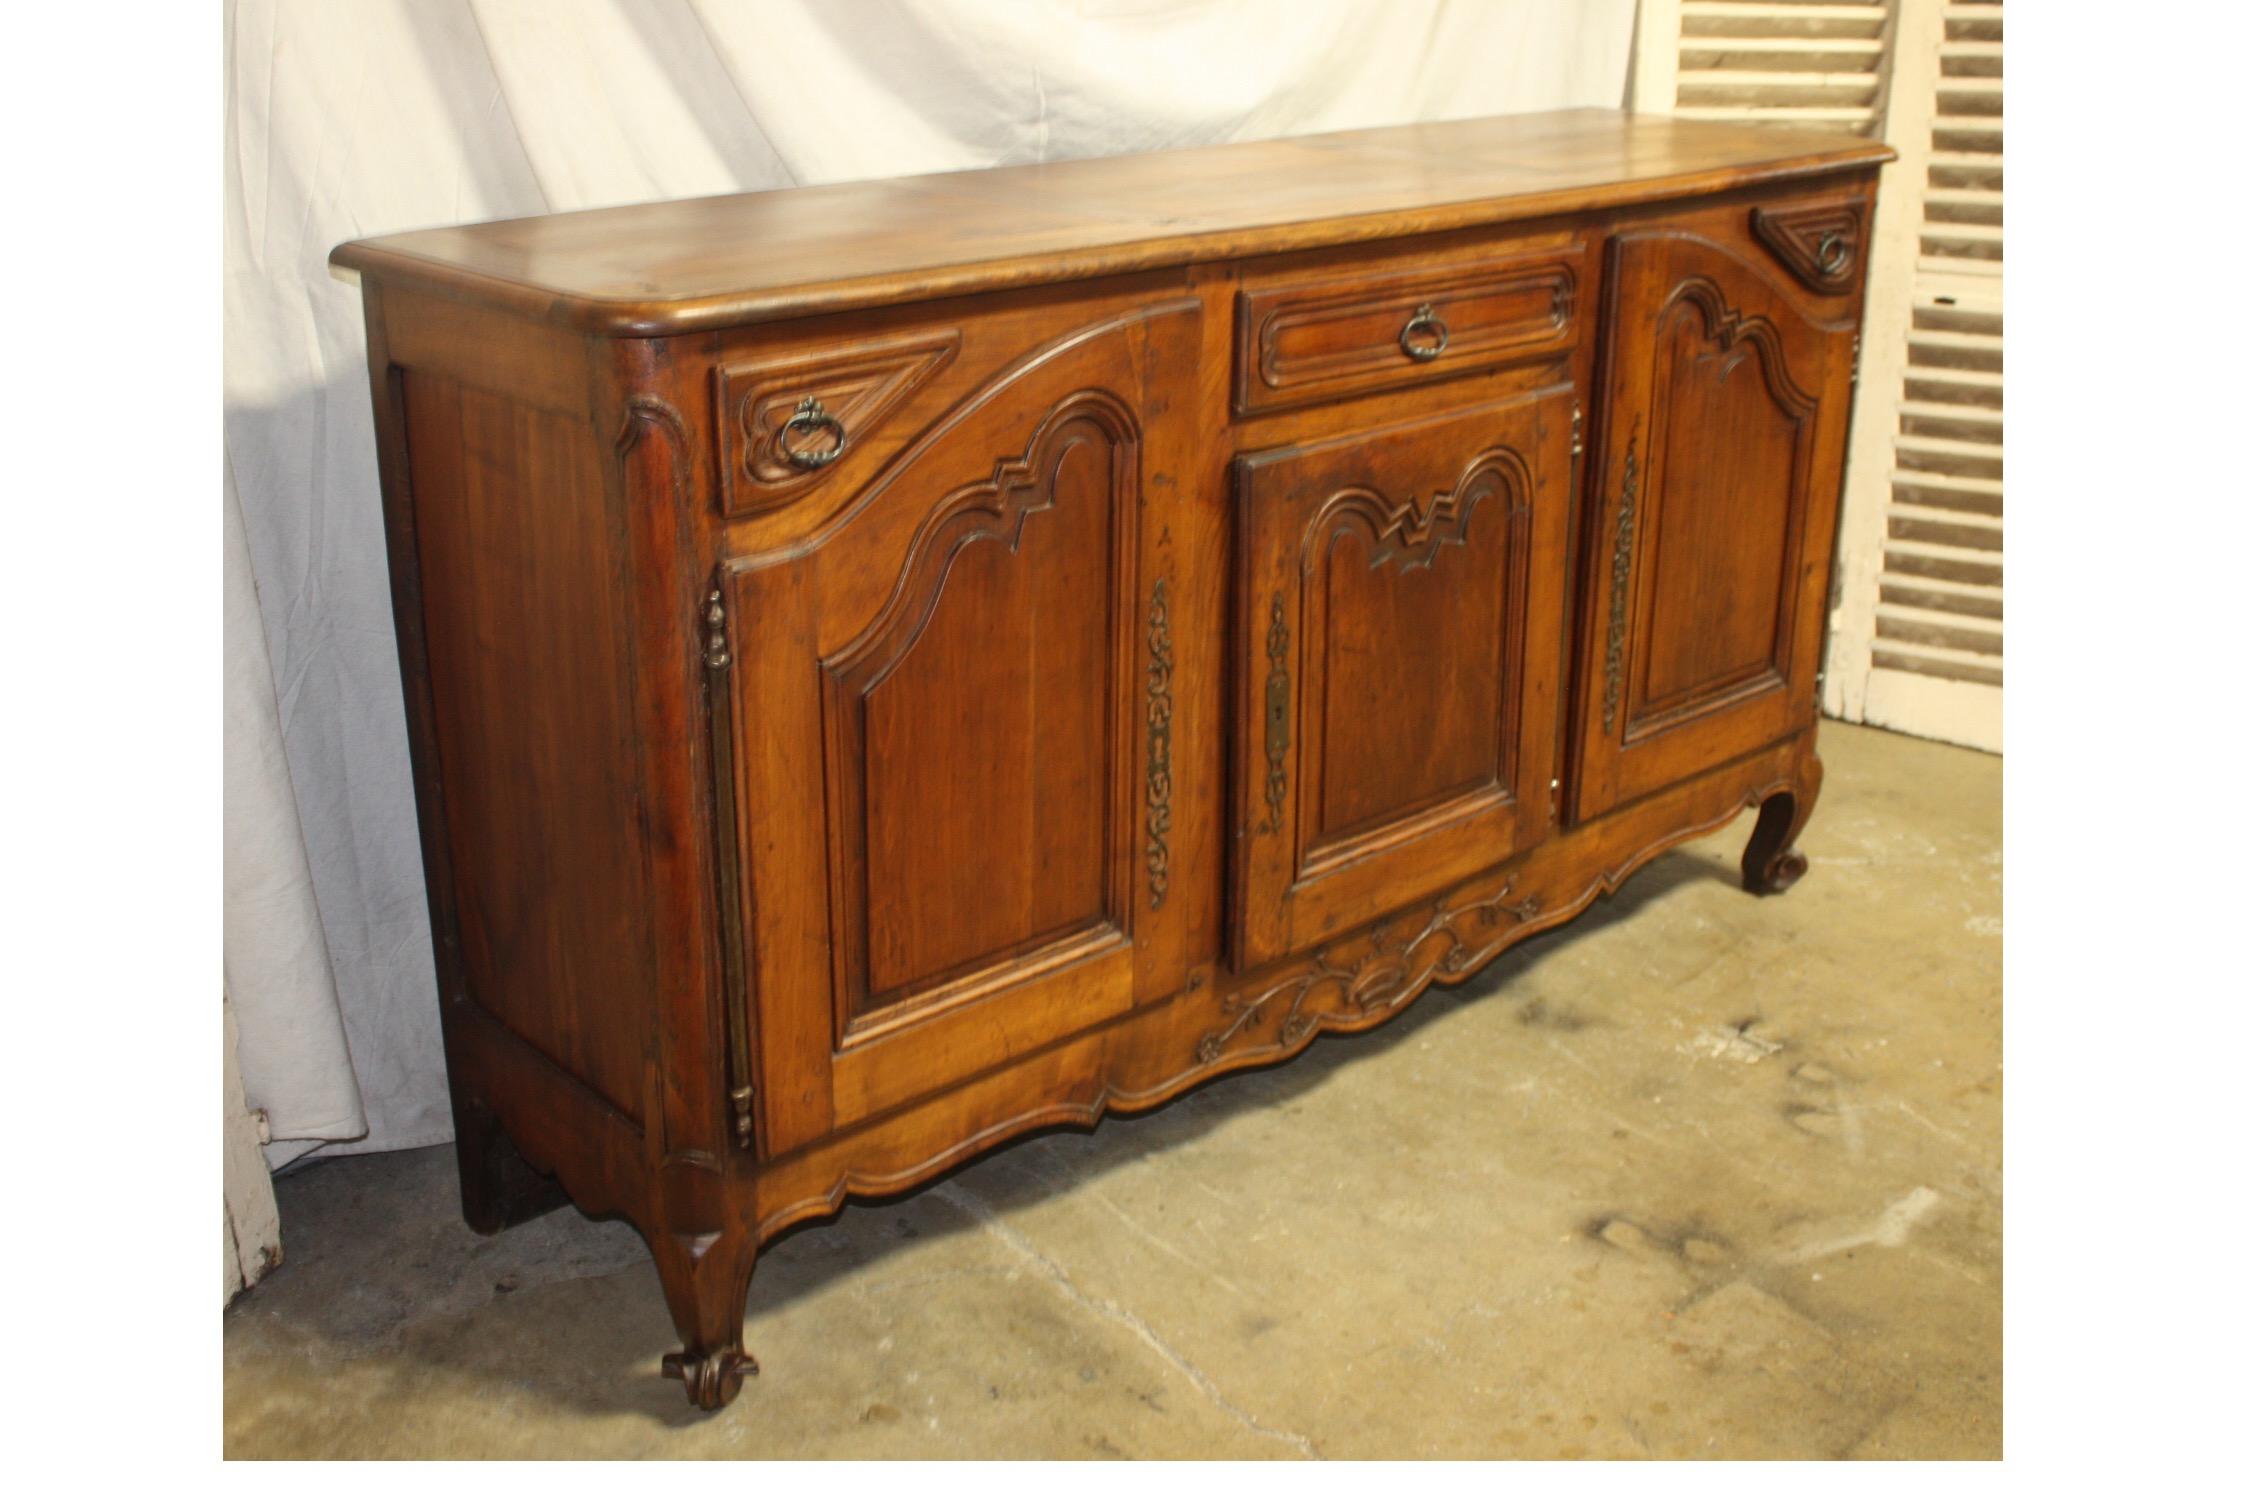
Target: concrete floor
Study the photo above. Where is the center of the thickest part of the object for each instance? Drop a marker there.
(1697, 1176)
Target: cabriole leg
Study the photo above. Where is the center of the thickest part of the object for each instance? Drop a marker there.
(1771, 864)
(706, 1281)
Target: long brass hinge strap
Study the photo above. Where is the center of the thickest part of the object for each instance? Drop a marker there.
(720, 719)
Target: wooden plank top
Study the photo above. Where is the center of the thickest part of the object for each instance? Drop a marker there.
(704, 263)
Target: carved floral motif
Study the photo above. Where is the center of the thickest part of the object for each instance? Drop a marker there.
(1372, 974)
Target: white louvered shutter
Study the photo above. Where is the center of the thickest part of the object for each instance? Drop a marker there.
(1810, 64)
(1918, 639)
(1937, 654)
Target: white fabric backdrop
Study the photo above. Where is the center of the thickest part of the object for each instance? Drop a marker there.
(359, 117)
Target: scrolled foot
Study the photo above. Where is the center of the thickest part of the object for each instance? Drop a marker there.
(1771, 864)
(1778, 874)
(712, 1379)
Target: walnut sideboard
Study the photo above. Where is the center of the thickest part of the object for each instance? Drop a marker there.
(893, 666)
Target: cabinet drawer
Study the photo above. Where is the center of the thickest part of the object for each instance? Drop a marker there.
(1398, 322)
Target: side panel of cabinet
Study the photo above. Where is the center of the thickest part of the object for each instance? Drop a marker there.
(1401, 607)
(943, 735)
(1724, 419)
(545, 915)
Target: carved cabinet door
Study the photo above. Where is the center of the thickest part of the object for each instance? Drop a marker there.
(1401, 610)
(943, 736)
(1725, 415)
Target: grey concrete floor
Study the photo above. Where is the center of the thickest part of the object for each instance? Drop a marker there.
(1699, 1175)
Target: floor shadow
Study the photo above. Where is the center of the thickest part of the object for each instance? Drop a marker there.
(376, 1248)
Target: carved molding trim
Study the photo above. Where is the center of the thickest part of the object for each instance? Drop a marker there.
(996, 508)
(1617, 608)
(1368, 976)
(1422, 965)
(1405, 536)
(1159, 736)
(644, 411)
(1727, 326)
(1278, 719)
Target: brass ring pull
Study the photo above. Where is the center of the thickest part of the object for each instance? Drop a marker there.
(1832, 253)
(1425, 336)
(810, 418)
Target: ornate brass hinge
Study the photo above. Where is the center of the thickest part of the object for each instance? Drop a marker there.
(1625, 548)
(1159, 742)
(1279, 720)
(720, 720)
(716, 651)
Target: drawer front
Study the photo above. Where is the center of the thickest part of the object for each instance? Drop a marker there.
(1402, 604)
(1304, 338)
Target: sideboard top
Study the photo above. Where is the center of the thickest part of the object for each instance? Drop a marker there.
(692, 264)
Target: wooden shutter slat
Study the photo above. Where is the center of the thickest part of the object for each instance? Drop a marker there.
(1918, 638)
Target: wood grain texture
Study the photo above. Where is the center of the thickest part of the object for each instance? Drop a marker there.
(1175, 663)
(1400, 618)
(1724, 423)
(708, 263)
(966, 704)
(512, 546)
(764, 463)
(1311, 338)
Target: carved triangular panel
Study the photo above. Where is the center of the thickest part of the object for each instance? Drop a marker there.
(857, 385)
(1821, 244)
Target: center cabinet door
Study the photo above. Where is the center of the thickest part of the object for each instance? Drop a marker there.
(943, 743)
(1401, 607)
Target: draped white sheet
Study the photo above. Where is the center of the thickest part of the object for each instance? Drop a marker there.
(359, 117)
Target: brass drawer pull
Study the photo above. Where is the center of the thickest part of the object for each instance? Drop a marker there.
(1832, 253)
(810, 419)
(1425, 336)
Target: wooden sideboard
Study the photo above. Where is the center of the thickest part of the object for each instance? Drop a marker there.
(892, 666)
